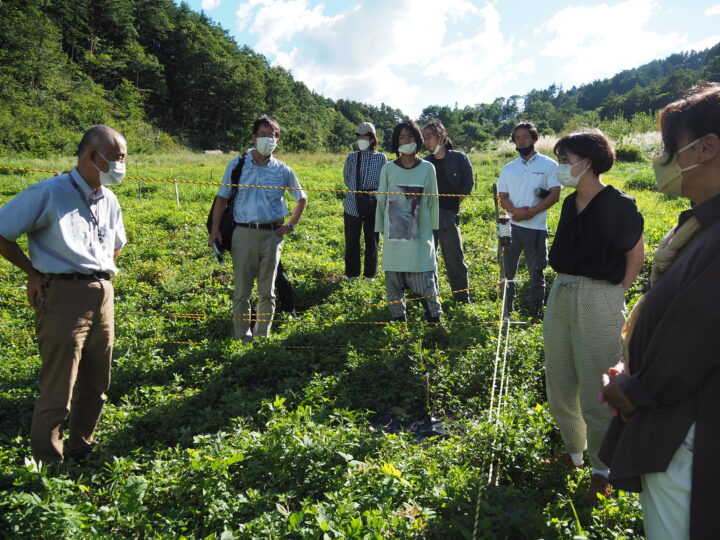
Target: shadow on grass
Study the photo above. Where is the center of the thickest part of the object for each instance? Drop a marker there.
(313, 364)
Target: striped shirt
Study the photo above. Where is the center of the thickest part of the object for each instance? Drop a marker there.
(258, 205)
(370, 164)
(62, 235)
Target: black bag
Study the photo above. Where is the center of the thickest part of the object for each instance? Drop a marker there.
(227, 223)
(365, 202)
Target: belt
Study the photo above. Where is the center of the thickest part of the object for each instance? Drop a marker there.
(77, 276)
(265, 226)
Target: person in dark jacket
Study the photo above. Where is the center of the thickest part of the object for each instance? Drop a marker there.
(455, 177)
(665, 439)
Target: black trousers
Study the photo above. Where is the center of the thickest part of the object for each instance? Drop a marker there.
(284, 291)
(353, 227)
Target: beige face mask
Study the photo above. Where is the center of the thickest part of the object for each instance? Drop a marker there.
(669, 175)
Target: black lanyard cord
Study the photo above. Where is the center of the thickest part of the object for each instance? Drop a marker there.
(92, 214)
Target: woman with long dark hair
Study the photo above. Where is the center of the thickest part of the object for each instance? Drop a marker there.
(407, 219)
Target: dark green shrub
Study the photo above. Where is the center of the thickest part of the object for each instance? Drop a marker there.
(629, 152)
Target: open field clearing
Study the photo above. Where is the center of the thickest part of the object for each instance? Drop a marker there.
(322, 430)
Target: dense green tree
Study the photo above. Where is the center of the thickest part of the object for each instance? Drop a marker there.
(152, 65)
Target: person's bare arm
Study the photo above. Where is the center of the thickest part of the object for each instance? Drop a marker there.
(218, 209)
(518, 213)
(11, 251)
(294, 217)
(547, 202)
(634, 260)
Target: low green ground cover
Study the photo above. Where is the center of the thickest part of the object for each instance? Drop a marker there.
(205, 438)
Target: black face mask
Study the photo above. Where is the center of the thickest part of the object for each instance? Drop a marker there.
(527, 150)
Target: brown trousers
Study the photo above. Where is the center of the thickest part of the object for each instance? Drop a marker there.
(75, 329)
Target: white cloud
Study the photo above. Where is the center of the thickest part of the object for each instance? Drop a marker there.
(714, 10)
(207, 5)
(371, 51)
(702, 44)
(482, 64)
(594, 42)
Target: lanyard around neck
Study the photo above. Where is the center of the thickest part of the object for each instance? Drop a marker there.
(92, 214)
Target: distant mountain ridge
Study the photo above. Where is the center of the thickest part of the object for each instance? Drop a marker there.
(637, 92)
(167, 76)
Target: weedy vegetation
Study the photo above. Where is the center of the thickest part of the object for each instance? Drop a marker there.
(309, 433)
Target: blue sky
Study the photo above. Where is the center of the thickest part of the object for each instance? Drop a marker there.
(413, 53)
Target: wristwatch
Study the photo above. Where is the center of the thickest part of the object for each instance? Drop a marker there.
(291, 227)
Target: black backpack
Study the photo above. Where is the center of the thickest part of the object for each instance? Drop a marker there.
(227, 223)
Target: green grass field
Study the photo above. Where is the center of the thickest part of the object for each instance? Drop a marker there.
(295, 436)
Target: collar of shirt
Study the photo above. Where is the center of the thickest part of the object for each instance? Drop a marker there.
(269, 161)
(87, 192)
(706, 213)
(529, 160)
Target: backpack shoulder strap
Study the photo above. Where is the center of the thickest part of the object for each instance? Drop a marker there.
(357, 171)
(235, 175)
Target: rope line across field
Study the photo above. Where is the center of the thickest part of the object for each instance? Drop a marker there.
(499, 385)
(314, 190)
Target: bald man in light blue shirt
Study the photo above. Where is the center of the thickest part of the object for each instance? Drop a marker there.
(75, 232)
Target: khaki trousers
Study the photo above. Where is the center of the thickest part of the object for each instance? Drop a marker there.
(255, 255)
(581, 332)
(75, 330)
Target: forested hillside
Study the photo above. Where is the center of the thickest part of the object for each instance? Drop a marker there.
(161, 73)
(635, 92)
(167, 76)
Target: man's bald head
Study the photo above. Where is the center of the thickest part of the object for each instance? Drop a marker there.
(100, 137)
(99, 146)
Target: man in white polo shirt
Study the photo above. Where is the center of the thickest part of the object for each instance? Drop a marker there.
(75, 232)
(527, 187)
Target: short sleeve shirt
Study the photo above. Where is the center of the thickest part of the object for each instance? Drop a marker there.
(520, 178)
(260, 204)
(593, 243)
(63, 237)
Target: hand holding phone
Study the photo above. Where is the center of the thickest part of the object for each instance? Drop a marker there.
(218, 252)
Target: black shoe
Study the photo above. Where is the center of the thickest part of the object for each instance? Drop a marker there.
(536, 314)
(81, 454)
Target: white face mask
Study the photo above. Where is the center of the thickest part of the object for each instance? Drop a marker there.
(115, 173)
(363, 144)
(669, 175)
(439, 147)
(565, 177)
(265, 145)
(408, 148)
